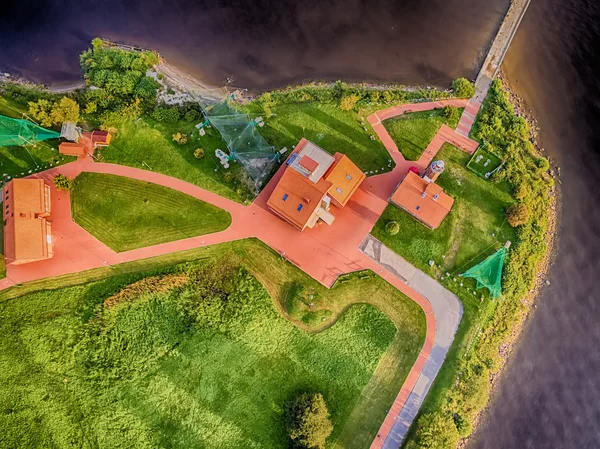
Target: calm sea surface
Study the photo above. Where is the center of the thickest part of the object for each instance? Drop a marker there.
(549, 395)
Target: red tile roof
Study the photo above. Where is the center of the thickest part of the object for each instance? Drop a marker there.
(308, 163)
(425, 201)
(27, 233)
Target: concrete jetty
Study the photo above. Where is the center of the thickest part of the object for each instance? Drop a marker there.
(492, 62)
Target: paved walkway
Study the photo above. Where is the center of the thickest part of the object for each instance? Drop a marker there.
(324, 252)
(441, 303)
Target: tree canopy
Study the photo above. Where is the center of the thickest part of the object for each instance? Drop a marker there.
(307, 420)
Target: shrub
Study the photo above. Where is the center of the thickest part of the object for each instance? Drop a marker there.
(463, 88)
(167, 115)
(436, 431)
(543, 164)
(62, 182)
(451, 113)
(228, 176)
(181, 139)
(191, 116)
(464, 427)
(348, 102)
(199, 153)
(307, 420)
(392, 227)
(517, 214)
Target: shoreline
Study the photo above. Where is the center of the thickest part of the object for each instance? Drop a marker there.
(511, 343)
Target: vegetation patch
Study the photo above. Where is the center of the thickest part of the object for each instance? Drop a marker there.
(412, 132)
(155, 284)
(210, 361)
(275, 274)
(126, 213)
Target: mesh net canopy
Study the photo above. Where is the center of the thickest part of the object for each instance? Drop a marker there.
(18, 132)
(243, 140)
(489, 273)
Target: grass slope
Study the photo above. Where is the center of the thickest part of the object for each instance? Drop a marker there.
(148, 144)
(127, 214)
(412, 132)
(329, 127)
(198, 387)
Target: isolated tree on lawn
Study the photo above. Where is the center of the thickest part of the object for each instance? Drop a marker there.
(307, 420)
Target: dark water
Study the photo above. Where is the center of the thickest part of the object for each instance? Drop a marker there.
(260, 43)
(550, 394)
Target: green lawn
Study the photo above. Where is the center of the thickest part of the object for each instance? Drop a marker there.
(161, 368)
(329, 127)
(476, 222)
(412, 132)
(126, 213)
(488, 162)
(148, 144)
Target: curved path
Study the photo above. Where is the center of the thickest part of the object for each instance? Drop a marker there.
(324, 252)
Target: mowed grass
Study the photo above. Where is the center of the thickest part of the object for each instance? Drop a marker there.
(329, 127)
(126, 213)
(412, 132)
(148, 144)
(475, 226)
(197, 387)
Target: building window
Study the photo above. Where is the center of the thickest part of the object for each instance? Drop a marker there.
(349, 178)
(418, 207)
(299, 207)
(285, 197)
(338, 190)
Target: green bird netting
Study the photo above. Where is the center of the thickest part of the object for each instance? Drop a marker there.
(243, 140)
(17, 132)
(489, 273)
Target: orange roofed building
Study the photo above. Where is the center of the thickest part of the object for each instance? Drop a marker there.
(423, 199)
(86, 143)
(312, 181)
(27, 231)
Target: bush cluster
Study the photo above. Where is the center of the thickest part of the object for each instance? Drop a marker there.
(346, 96)
(49, 113)
(119, 78)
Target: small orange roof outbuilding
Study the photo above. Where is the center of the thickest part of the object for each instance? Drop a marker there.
(426, 201)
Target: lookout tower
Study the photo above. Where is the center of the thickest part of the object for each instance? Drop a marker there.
(433, 171)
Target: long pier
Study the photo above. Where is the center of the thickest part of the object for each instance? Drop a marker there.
(493, 61)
